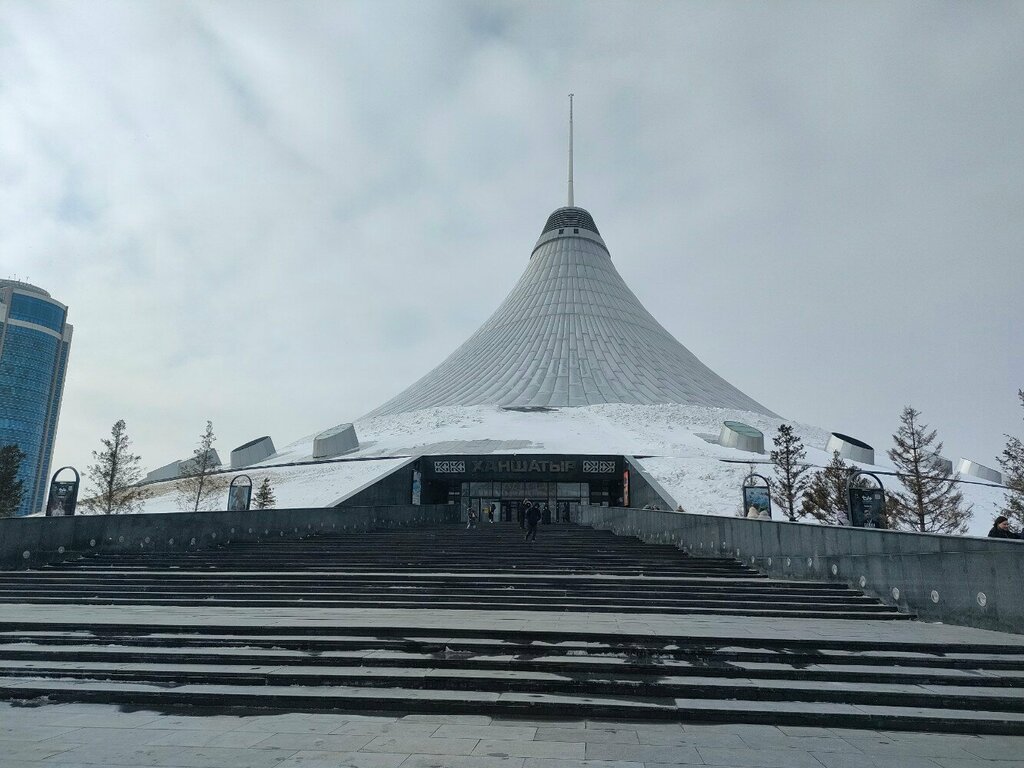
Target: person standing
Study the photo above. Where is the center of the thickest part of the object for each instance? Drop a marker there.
(545, 514)
(1001, 529)
(532, 518)
(524, 508)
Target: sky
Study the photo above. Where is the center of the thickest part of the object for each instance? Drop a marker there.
(278, 215)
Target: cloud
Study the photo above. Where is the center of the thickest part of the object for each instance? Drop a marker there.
(277, 216)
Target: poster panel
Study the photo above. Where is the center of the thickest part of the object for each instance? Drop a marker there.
(757, 501)
(63, 498)
(417, 484)
(238, 497)
(867, 507)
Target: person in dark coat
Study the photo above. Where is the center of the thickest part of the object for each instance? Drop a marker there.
(532, 518)
(521, 514)
(1001, 529)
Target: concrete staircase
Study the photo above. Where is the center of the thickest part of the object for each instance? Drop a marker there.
(535, 652)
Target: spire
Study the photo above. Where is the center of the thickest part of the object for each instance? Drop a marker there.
(571, 204)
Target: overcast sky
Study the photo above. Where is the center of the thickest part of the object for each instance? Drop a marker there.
(278, 215)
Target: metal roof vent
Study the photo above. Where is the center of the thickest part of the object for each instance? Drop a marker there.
(980, 471)
(850, 448)
(743, 437)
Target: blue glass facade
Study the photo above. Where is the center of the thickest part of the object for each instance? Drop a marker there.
(34, 346)
(37, 311)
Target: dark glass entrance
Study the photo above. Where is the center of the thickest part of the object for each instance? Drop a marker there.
(554, 498)
(558, 484)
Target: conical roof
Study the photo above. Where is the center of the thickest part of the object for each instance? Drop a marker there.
(570, 333)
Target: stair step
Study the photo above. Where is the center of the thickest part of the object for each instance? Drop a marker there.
(512, 704)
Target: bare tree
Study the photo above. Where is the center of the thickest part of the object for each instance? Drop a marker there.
(1012, 462)
(929, 501)
(790, 469)
(198, 486)
(115, 475)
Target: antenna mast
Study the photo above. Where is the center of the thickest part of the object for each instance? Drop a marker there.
(570, 151)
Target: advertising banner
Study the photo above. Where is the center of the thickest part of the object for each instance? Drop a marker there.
(757, 501)
(63, 498)
(417, 484)
(867, 507)
(63, 495)
(239, 494)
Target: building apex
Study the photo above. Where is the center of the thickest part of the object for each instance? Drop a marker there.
(570, 216)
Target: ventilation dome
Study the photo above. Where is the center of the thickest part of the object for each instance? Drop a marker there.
(564, 218)
(980, 471)
(850, 448)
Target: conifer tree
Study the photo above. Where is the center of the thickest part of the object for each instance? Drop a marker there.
(1012, 462)
(115, 476)
(929, 501)
(265, 495)
(790, 469)
(826, 499)
(10, 486)
(198, 486)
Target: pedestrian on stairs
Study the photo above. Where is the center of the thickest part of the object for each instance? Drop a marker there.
(521, 514)
(472, 519)
(532, 518)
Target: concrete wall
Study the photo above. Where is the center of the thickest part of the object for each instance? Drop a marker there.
(29, 542)
(393, 489)
(952, 579)
(644, 489)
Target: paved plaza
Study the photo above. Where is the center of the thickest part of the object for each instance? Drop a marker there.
(78, 735)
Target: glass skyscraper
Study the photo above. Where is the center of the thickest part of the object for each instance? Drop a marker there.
(34, 343)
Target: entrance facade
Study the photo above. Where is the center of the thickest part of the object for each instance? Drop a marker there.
(504, 483)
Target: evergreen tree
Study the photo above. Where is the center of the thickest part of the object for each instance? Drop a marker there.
(929, 501)
(10, 486)
(825, 499)
(1012, 462)
(116, 475)
(790, 469)
(198, 485)
(265, 495)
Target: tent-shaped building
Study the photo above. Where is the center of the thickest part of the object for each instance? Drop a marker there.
(571, 333)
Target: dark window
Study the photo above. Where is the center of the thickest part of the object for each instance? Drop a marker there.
(33, 310)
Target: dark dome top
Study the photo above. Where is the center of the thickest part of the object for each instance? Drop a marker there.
(570, 217)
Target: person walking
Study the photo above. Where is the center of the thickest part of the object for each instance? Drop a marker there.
(545, 514)
(1001, 529)
(472, 519)
(532, 518)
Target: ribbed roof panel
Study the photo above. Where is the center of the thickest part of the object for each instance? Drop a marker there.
(570, 333)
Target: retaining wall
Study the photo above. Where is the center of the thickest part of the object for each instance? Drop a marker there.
(952, 579)
(28, 542)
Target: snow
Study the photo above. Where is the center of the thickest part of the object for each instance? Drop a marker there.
(313, 485)
(671, 442)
